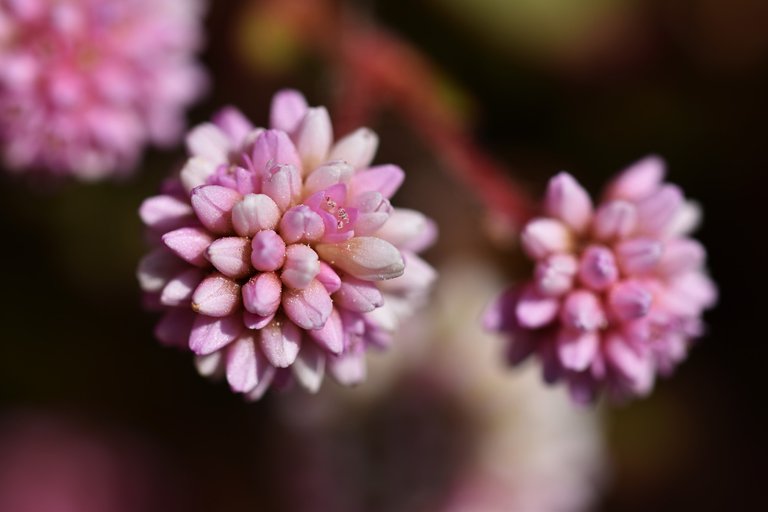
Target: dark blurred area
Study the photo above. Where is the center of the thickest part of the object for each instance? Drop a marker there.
(539, 86)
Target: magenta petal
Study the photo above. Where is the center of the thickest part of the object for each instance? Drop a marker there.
(308, 308)
(630, 300)
(231, 256)
(598, 269)
(216, 295)
(576, 349)
(582, 311)
(288, 109)
(189, 244)
(329, 278)
(209, 333)
(384, 179)
(554, 276)
(273, 148)
(280, 342)
(309, 367)
(175, 326)
(331, 335)
(213, 206)
(534, 310)
(261, 295)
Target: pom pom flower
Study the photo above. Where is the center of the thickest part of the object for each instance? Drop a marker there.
(86, 84)
(618, 290)
(278, 252)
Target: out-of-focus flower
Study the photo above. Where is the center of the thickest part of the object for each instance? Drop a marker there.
(618, 291)
(278, 251)
(86, 84)
(52, 463)
(441, 426)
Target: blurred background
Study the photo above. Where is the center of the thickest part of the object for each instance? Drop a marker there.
(456, 89)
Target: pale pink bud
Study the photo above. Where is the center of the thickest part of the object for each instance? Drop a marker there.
(357, 148)
(534, 310)
(554, 275)
(179, 289)
(309, 368)
(301, 223)
(358, 295)
(195, 172)
(189, 244)
(568, 201)
(283, 184)
(385, 179)
(256, 212)
(331, 335)
(373, 211)
(209, 142)
(273, 148)
(213, 206)
(542, 237)
(301, 266)
(209, 333)
(577, 349)
(407, 229)
(165, 212)
(685, 221)
(330, 279)
(309, 308)
(314, 137)
(656, 212)
(288, 109)
(417, 277)
(582, 311)
(174, 327)
(597, 267)
(261, 294)
(326, 176)
(280, 342)
(639, 180)
(210, 365)
(246, 365)
(216, 295)
(157, 268)
(349, 367)
(630, 300)
(681, 255)
(233, 123)
(267, 251)
(636, 368)
(639, 255)
(264, 381)
(368, 258)
(616, 219)
(256, 322)
(231, 256)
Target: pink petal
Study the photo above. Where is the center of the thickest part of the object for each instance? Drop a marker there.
(174, 327)
(231, 256)
(331, 335)
(256, 212)
(543, 237)
(636, 368)
(309, 367)
(407, 229)
(261, 294)
(280, 342)
(534, 310)
(273, 148)
(680, 256)
(179, 290)
(213, 206)
(417, 277)
(656, 212)
(330, 279)
(301, 266)
(582, 311)
(373, 211)
(385, 179)
(209, 142)
(157, 268)
(358, 295)
(196, 172)
(576, 349)
(256, 322)
(313, 137)
(630, 300)
(349, 368)
(189, 244)
(308, 308)
(301, 223)
(357, 148)
(288, 109)
(598, 269)
(209, 333)
(267, 251)
(368, 258)
(639, 256)
(568, 201)
(246, 365)
(165, 213)
(615, 219)
(216, 295)
(283, 184)
(233, 123)
(554, 275)
(327, 175)
(639, 180)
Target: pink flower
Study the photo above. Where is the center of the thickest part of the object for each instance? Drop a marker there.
(618, 290)
(278, 253)
(86, 84)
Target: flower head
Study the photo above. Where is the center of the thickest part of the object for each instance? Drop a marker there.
(86, 84)
(278, 252)
(618, 290)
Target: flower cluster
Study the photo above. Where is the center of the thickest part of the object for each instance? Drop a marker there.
(86, 84)
(278, 253)
(618, 291)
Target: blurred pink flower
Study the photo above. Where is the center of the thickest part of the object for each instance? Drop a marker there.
(278, 252)
(86, 84)
(618, 290)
